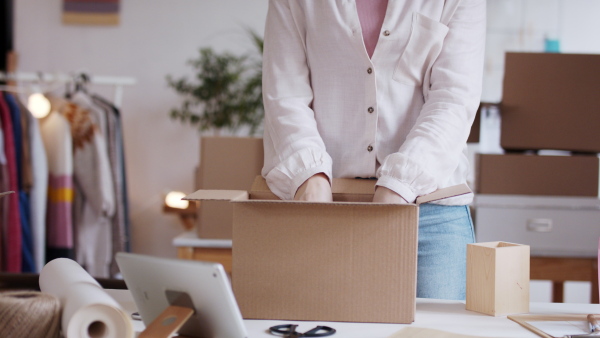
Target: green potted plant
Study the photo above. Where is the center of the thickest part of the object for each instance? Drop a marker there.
(226, 93)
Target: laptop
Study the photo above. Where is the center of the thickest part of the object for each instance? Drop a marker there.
(155, 283)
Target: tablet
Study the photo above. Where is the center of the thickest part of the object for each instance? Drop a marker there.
(155, 283)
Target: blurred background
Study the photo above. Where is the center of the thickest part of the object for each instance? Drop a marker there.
(153, 39)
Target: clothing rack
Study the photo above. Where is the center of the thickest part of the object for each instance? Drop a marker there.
(119, 82)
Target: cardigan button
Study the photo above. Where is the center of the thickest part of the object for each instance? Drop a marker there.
(386, 33)
(370, 110)
(370, 70)
(370, 148)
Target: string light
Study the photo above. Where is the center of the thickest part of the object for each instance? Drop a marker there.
(174, 200)
(38, 105)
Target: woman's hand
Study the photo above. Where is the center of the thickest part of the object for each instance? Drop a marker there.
(385, 195)
(315, 189)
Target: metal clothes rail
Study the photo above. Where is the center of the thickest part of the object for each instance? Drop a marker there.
(119, 82)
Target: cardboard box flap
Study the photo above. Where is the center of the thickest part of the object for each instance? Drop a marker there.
(440, 194)
(6, 193)
(352, 186)
(343, 189)
(217, 195)
(357, 190)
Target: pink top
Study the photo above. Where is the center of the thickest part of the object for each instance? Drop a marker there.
(371, 14)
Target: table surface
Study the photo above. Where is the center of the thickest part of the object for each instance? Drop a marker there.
(190, 239)
(445, 315)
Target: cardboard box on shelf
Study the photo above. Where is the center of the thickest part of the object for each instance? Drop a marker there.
(518, 174)
(550, 101)
(229, 163)
(348, 260)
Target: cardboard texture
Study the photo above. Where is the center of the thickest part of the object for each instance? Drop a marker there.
(550, 101)
(348, 260)
(517, 174)
(229, 163)
(497, 278)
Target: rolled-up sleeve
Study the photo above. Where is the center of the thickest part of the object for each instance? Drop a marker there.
(294, 149)
(433, 147)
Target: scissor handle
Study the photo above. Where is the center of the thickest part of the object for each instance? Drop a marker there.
(328, 331)
(290, 329)
(283, 329)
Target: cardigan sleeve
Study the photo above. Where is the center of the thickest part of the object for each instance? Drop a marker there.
(294, 149)
(434, 146)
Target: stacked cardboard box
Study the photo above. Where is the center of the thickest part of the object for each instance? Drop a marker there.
(549, 202)
(228, 163)
(550, 101)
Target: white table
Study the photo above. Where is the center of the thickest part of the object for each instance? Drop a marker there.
(444, 315)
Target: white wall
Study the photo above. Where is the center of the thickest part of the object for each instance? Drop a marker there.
(155, 38)
(522, 25)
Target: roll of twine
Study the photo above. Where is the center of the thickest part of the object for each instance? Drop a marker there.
(29, 314)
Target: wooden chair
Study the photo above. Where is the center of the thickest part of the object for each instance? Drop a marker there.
(561, 269)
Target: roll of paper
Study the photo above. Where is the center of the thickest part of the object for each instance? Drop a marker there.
(87, 310)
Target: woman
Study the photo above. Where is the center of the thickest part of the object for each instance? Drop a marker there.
(377, 88)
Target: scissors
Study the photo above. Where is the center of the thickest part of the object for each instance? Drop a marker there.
(289, 330)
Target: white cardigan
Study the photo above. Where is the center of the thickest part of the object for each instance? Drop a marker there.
(331, 109)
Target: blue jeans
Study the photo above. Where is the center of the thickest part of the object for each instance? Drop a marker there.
(444, 232)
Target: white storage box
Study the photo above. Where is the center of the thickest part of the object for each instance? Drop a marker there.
(551, 226)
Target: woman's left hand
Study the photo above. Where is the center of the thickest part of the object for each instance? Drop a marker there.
(385, 195)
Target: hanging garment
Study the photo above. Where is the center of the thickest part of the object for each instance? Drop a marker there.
(123, 173)
(3, 201)
(38, 195)
(13, 253)
(56, 136)
(93, 179)
(115, 155)
(26, 173)
(24, 181)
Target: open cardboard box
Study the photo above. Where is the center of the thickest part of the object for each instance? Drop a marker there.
(348, 260)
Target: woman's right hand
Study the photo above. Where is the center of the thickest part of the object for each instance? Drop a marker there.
(315, 189)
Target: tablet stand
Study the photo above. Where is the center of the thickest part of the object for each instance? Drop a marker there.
(172, 318)
(168, 322)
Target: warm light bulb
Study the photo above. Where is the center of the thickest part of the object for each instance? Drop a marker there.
(174, 200)
(38, 105)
